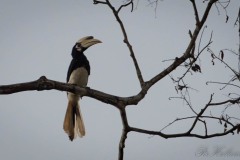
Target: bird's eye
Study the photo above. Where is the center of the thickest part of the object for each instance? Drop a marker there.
(78, 45)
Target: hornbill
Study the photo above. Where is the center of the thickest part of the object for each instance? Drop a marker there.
(77, 74)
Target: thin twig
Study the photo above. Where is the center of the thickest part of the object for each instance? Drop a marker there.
(230, 84)
(200, 114)
(125, 5)
(98, 2)
(195, 11)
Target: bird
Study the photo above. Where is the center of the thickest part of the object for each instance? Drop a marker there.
(78, 72)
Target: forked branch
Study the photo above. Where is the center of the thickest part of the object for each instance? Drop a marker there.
(126, 41)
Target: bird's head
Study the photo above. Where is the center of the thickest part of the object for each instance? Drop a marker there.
(85, 42)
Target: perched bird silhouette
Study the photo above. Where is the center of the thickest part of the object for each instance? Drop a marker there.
(78, 73)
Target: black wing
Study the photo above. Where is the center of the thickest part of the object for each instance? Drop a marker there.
(70, 69)
(76, 63)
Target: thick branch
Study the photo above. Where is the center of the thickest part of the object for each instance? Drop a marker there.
(125, 131)
(46, 84)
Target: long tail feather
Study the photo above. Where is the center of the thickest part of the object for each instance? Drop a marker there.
(79, 122)
(69, 121)
(73, 123)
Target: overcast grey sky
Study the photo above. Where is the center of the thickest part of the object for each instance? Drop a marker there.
(37, 38)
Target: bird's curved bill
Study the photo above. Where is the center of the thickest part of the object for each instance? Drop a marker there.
(88, 41)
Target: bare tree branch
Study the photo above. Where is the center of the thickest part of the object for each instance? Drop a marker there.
(192, 65)
(186, 134)
(98, 2)
(203, 117)
(195, 11)
(200, 114)
(125, 131)
(125, 5)
(126, 41)
(45, 84)
(187, 53)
